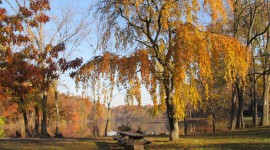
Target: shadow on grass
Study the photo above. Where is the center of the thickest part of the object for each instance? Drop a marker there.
(102, 145)
(237, 146)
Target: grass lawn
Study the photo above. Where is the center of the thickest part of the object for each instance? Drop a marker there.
(245, 139)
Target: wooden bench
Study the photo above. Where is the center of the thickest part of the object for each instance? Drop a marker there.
(132, 141)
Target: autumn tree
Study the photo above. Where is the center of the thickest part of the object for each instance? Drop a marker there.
(250, 24)
(45, 52)
(168, 51)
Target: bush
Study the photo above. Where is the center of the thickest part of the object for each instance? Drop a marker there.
(2, 122)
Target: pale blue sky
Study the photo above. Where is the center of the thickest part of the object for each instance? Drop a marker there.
(86, 46)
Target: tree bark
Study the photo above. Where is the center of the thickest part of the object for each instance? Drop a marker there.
(185, 126)
(266, 80)
(233, 108)
(214, 122)
(173, 122)
(240, 116)
(57, 112)
(255, 104)
(36, 116)
(107, 121)
(44, 115)
(265, 107)
(26, 126)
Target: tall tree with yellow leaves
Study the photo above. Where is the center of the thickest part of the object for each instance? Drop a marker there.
(170, 51)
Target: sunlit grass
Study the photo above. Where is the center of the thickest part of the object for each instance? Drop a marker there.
(244, 139)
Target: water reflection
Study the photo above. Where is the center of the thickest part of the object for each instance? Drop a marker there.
(152, 126)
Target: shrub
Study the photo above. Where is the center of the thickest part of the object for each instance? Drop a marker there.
(2, 122)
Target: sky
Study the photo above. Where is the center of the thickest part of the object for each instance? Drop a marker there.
(86, 47)
(86, 50)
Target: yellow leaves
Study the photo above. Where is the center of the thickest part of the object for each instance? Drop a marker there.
(203, 50)
(217, 8)
(196, 56)
(185, 93)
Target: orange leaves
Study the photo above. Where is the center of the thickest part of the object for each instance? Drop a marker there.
(3, 12)
(25, 11)
(42, 18)
(38, 5)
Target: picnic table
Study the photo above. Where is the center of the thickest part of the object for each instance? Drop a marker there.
(131, 140)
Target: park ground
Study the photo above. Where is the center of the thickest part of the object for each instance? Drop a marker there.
(245, 139)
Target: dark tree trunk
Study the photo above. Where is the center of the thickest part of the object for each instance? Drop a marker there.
(255, 105)
(233, 108)
(36, 116)
(26, 126)
(173, 121)
(185, 126)
(44, 117)
(240, 116)
(27, 129)
(107, 121)
(214, 122)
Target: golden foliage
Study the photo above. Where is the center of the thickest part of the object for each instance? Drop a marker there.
(195, 54)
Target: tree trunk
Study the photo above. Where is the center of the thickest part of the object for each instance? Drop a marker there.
(96, 127)
(107, 121)
(265, 107)
(36, 116)
(26, 126)
(44, 117)
(173, 122)
(214, 122)
(254, 96)
(57, 112)
(233, 109)
(266, 77)
(255, 105)
(240, 116)
(185, 126)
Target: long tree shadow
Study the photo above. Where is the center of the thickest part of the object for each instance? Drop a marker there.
(102, 145)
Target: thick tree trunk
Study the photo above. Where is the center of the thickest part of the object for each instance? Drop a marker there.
(26, 126)
(44, 117)
(174, 129)
(173, 122)
(266, 80)
(265, 107)
(240, 116)
(107, 121)
(233, 109)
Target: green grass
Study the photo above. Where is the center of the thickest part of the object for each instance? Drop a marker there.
(244, 139)
(55, 144)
